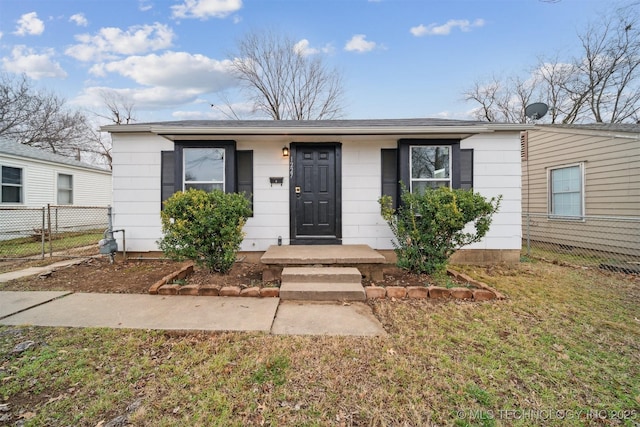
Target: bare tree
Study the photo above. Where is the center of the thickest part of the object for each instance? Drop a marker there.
(39, 118)
(99, 146)
(610, 69)
(501, 100)
(602, 84)
(552, 78)
(284, 83)
(15, 103)
(119, 109)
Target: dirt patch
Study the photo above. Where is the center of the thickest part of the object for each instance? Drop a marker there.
(131, 276)
(136, 276)
(395, 276)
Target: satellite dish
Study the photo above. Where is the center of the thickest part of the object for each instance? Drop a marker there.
(536, 110)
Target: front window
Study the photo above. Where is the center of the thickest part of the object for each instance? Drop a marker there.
(430, 167)
(11, 185)
(204, 168)
(65, 189)
(566, 191)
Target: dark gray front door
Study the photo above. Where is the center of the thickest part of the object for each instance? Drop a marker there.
(315, 191)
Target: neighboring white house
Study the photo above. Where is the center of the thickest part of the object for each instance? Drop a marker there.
(316, 182)
(34, 178)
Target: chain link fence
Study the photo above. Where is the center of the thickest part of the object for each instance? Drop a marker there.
(607, 242)
(66, 231)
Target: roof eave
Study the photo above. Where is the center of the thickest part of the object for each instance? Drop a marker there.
(87, 167)
(315, 130)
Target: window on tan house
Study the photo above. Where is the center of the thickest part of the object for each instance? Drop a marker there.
(566, 191)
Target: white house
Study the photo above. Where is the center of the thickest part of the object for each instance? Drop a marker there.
(316, 182)
(35, 178)
(32, 177)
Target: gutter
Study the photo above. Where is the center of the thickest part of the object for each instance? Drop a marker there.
(314, 130)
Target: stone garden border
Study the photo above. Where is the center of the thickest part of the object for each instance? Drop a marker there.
(479, 292)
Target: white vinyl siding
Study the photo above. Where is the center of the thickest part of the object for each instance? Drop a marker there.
(65, 189)
(91, 187)
(566, 195)
(137, 188)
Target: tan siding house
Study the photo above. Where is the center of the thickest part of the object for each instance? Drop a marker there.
(574, 173)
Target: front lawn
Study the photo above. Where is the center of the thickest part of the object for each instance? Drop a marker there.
(564, 349)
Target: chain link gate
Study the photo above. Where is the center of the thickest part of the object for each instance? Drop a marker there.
(53, 230)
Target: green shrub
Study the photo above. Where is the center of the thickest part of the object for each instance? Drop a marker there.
(429, 227)
(205, 227)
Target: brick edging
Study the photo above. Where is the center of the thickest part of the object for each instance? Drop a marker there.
(431, 292)
(477, 283)
(176, 275)
(214, 291)
(483, 292)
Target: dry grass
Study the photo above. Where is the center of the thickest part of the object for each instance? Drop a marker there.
(566, 340)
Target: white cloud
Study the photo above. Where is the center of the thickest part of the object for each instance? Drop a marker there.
(167, 80)
(178, 70)
(359, 44)
(303, 48)
(144, 5)
(29, 24)
(205, 9)
(79, 20)
(147, 97)
(35, 65)
(445, 29)
(111, 42)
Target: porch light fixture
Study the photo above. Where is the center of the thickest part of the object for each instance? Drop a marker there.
(285, 151)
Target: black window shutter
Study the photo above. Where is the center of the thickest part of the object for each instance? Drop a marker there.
(466, 169)
(244, 169)
(390, 174)
(167, 175)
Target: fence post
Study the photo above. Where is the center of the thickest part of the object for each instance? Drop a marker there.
(42, 241)
(528, 234)
(49, 229)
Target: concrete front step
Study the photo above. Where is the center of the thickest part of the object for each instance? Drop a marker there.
(325, 291)
(321, 275)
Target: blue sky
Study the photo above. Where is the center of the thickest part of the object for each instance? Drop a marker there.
(399, 58)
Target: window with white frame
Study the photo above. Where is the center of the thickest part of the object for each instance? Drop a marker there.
(203, 168)
(566, 191)
(11, 185)
(430, 167)
(65, 189)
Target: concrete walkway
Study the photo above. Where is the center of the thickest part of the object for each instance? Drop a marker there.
(136, 311)
(33, 271)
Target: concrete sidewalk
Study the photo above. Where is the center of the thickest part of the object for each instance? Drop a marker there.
(138, 311)
(33, 271)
